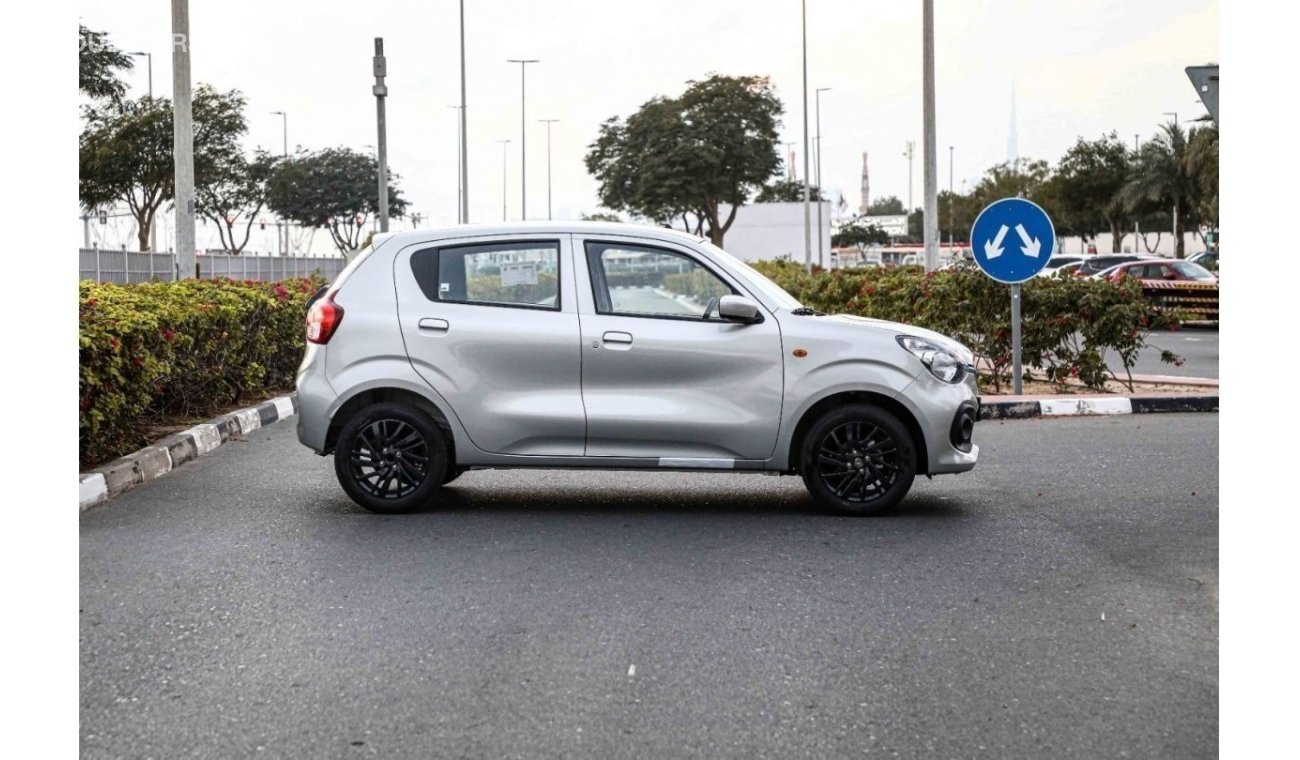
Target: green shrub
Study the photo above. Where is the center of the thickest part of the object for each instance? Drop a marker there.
(1067, 324)
(193, 347)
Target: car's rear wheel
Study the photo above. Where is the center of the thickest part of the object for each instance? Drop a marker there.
(390, 458)
(858, 459)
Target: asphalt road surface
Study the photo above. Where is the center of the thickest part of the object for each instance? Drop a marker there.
(1199, 347)
(1060, 601)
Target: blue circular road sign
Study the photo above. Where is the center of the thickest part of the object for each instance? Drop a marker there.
(1012, 239)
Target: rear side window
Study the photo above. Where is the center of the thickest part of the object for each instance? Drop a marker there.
(520, 274)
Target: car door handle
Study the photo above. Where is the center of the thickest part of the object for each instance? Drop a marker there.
(434, 325)
(621, 338)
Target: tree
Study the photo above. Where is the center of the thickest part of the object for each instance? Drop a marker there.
(1160, 175)
(1022, 178)
(601, 216)
(125, 151)
(687, 156)
(859, 235)
(334, 188)
(97, 65)
(234, 195)
(785, 191)
(888, 206)
(1203, 165)
(1082, 196)
(957, 214)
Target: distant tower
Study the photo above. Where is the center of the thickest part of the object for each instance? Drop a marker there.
(1013, 136)
(866, 186)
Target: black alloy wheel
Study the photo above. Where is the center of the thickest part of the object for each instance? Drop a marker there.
(390, 457)
(858, 459)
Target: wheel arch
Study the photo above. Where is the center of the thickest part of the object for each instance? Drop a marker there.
(385, 393)
(891, 405)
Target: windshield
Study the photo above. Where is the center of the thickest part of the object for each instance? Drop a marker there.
(1193, 271)
(756, 278)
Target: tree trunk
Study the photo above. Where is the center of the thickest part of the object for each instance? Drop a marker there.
(1178, 233)
(143, 223)
(1117, 239)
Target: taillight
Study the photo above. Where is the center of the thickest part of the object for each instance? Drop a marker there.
(323, 319)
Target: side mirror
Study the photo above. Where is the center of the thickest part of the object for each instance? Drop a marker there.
(739, 309)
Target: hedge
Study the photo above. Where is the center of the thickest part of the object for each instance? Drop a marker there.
(167, 349)
(1068, 324)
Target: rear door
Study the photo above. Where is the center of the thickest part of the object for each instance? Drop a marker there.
(491, 324)
(660, 379)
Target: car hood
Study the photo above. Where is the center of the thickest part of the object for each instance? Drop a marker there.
(939, 339)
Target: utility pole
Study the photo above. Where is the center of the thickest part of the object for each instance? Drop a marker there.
(821, 195)
(909, 152)
(284, 125)
(523, 135)
(464, 134)
(183, 138)
(1174, 219)
(460, 218)
(381, 92)
(930, 221)
(548, 123)
(505, 144)
(807, 213)
(952, 201)
(1137, 222)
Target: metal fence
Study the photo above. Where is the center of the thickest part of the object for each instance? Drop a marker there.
(104, 265)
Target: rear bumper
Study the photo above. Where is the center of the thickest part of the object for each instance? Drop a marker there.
(315, 395)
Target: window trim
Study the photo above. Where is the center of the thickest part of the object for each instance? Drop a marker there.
(506, 245)
(596, 270)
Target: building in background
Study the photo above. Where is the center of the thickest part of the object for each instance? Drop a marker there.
(765, 231)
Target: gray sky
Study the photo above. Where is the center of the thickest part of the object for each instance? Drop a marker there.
(1079, 67)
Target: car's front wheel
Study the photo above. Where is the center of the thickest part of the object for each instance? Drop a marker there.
(858, 459)
(390, 458)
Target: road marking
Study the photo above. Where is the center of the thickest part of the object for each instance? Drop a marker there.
(631, 670)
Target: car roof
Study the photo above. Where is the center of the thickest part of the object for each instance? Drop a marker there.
(538, 228)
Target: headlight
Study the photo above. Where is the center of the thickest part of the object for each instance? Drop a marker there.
(941, 364)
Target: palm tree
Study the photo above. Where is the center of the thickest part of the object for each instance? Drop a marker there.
(1160, 174)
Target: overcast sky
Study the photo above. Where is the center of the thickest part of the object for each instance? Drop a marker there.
(1078, 67)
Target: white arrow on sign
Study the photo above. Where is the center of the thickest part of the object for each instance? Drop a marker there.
(1031, 246)
(993, 248)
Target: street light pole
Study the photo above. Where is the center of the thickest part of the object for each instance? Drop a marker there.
(460, 219)
(548, 123)
(930, 220)
(183, 138)
(504, 146)
(807, 213)
(789, 160)
(952, 200)
(1137, 222)
(820, 194)
(1173, 232)
(381, 93)
(523, 135)
(464, 150)
(909, 152)
(284, 126)
(148, 56)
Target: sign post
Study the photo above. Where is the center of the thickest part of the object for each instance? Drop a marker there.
(1012, 260)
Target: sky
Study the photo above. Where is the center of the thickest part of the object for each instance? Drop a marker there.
(1077, 68)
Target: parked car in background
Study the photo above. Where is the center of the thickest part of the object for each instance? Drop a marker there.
(1064, 270)
(616, 347)
(1207, 259)
(1056, 262)
(1163, 270)
(1095, 264)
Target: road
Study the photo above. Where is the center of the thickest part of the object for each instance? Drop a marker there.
(1199, 347)
(1059, 601)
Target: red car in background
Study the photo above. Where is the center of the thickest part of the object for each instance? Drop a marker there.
(1162, 270)
(1174, 284)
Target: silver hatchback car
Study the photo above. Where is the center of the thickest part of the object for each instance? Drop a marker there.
(612, 346)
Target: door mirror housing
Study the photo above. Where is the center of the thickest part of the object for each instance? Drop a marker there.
(739, 309)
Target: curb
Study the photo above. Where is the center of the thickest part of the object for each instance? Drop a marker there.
(153, 461)
(1024, 407)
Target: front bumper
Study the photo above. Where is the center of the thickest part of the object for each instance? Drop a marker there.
(939, 407)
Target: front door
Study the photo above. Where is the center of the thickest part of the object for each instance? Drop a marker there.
(492, 326)
(662, 375)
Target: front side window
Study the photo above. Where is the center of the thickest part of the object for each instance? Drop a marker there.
(1193, 271)
(524, 274)
(652, 282)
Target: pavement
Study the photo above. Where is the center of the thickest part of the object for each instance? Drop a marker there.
(1059, 601)
(1199, 347)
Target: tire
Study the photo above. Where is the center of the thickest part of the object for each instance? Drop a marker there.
(390, 458)
(869, 460)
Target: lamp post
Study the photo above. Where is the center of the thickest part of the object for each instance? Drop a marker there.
(149, 56)
(930, 220)
(284, 132)
(460, 217)
(464, 151)
(183, 138)
(1137, 223)
(548, 123)
(909, 151)
(952, 200)
(807, 214)
(504, 146)
(789, 158)
(523, 134)
(817, 95)
(1173, 232)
